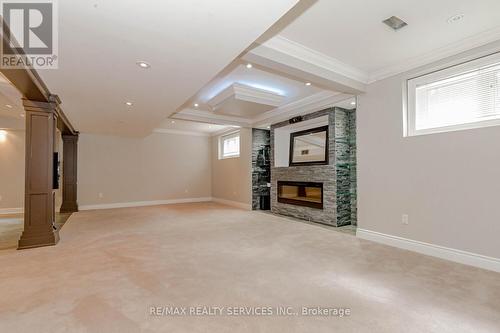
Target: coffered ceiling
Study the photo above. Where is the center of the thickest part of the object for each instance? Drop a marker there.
(186, 42)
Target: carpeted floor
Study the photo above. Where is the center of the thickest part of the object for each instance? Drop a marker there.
(112, 266)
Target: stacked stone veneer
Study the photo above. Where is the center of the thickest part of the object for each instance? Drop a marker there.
(336, 176)
(261, 170)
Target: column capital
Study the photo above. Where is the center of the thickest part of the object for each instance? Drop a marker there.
(37, 106)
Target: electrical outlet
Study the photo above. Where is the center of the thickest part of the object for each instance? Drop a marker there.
(404, 219)
(101, 195)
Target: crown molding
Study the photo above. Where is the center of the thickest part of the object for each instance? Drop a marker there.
(179, 132)
(246, 93)
(316, 102)
(304, 53)
(210, 117)
(452, 49)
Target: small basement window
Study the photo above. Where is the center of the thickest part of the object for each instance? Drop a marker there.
(229, 145)
(460, 97)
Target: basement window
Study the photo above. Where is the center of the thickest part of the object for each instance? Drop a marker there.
(229, 145)
(460, 97)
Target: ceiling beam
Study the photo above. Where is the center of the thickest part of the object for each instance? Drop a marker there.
(296, 61)
(29, 83)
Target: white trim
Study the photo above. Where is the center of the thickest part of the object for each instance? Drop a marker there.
(233, 203)
(7, 211)
(304, 53)
(463, 257)
(210, 117)
(143, 203)
(309, 104)
(452, 49)
(178, 132)
(243, 92)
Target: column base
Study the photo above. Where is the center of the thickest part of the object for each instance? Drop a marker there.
(29, 240)
(68, 209)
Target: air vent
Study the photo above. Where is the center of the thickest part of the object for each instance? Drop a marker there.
(395, 23)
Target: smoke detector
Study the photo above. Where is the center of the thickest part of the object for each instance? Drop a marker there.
(395, 23)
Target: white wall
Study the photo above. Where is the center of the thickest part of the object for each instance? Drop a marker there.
(12, 170)
(159, 167)
(232, 177)
(448, 183)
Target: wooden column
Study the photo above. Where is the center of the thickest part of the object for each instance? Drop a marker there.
(69, 190)
(39, 210)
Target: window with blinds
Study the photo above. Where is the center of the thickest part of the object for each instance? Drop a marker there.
(459, 97)
(229, 145)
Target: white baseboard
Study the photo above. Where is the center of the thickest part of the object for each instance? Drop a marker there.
(6, 211)
(462, 257)
(143, 203)
(233, 203)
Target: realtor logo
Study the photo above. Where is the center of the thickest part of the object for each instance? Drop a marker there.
(30, 34)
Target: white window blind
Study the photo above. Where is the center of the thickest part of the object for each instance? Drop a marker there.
(459, 97)
(230, 145)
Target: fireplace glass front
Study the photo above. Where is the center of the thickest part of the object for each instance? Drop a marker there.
(301, 193)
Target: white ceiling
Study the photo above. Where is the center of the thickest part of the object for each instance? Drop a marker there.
(187, 43)
(351, 31)
(11, 109)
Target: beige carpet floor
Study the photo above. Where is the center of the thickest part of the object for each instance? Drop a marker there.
(112, 266)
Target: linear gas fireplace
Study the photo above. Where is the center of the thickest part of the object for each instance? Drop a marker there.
(301, 193)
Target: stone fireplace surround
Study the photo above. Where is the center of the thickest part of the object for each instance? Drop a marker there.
(338, 188)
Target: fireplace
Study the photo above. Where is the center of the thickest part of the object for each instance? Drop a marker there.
(301, 193)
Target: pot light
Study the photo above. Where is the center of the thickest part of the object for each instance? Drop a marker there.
(308, 83)
(209, 126)
(268, 127)
(455, 18)
(196, 105)
(3, 135)
(249, 66)
(353, 103)
(143, 64)
(22, 115)
(172, 122)
(129, 103)
(8, 106)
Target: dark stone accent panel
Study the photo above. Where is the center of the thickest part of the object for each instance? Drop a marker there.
(353, 167)
(261, 167)
(342, 172)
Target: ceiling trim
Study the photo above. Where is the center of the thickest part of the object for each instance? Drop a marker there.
(316, 102)
(246, 93)
(299, 51)
(210, 117)
(452, 49)
(179, 132)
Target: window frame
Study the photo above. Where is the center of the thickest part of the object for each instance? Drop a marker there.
(411, 84)
(221, 144)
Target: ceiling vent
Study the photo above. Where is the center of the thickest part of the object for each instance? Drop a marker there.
(395, 23)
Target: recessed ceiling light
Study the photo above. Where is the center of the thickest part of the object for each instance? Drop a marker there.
(172, 122)
(455, 18)
(196, 105)
(22, 115)
(268, 126)
(353, 103)
(209, 126)
(143, 64)
(9, 106)
(129, 103)
(249, 66)
(308, 83)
